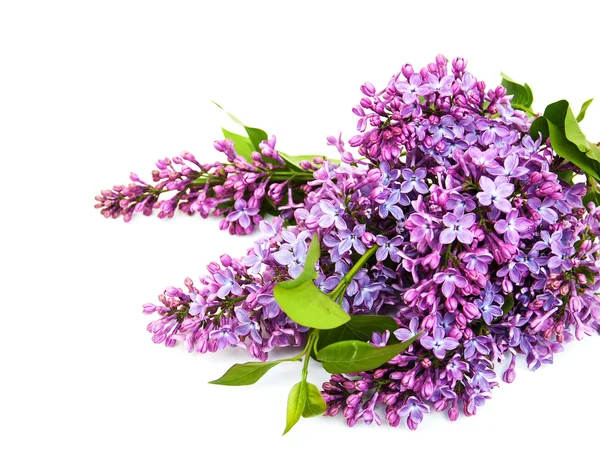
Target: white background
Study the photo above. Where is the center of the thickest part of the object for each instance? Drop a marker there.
(92, 90)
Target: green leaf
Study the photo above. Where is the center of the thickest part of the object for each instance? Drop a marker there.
(565, 148)
(293, 162)
(522, 96)
(256, 136)
(583, 109)
(303, 302)
(315, 404)
(353, 356)
(309, 272)
(246, 144)
(243, 145)
(593, 194)
(244, 374)
(295, 405)
(308, 306)
(360, 327)
(561, 115)
(509, 303)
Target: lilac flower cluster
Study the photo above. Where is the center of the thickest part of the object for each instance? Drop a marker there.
(241, 191)
(233, 305)
(480, 246)
(493, 253)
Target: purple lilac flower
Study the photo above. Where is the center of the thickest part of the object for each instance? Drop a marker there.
(380, 339)
(403, 334)
(352, 239)
(450, 279)
(562, 256)
(477, 260)
(242, 213)
(439, 343)
(513, 226)
(488, 309)
(544, 209)
(332, 214)
(457, 201)
(390, 205)
(458, 227)
(227, 282)
(413, 409)
(388, 247)
(495, 193)
(510, 169)
(413, 180)
(247, 326)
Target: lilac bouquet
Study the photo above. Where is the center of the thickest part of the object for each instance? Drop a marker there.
(459, 232)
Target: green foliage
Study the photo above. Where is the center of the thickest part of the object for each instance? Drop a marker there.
(315, 404)
(353, 356)
(358, 328)
(244, 374)
(296, 404)
(304, 303)
(522, 96)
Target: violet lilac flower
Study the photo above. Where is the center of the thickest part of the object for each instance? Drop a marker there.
(439, 343)
(513, 226)
(495, 193)
(458, 226)
(450, 279)
(413, 180)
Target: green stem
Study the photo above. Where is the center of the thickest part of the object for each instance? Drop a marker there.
(306, 352)
(341, 288)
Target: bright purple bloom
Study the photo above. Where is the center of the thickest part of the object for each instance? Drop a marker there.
(510, 169)
(242, 213)
(413, 180)
(390, 205)
(488, 309)
(478, 260)
(388, 247)
(495, 193)
(438, 343)
(459, 202)
(562, 256)
(413, 409)
(423, 227)
(450, 279)
(247, 326)
(403, 334)
(223, 336)
(226, 279)
(458, 227)
(409, 90)
(513, 226)
(332, 215)
(543, 208)
(380, 339)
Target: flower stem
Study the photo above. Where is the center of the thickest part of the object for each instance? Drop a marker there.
(339, 291)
